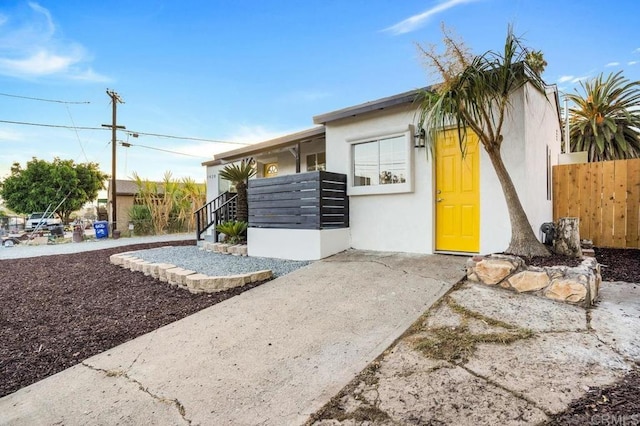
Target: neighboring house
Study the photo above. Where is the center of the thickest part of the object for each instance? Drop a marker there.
(400, 198)
(126, 191)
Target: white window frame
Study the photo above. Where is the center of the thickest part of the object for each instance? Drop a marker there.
(396, 188)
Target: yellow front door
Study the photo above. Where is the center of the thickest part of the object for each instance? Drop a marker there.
(457, 193)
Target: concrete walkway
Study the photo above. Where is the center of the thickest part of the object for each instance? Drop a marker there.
(270, 356)
(32, 250)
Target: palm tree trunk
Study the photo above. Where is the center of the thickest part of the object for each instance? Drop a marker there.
(242, 204)
(523, 240)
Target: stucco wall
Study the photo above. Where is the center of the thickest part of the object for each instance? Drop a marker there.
(387, 222)
(532, 125)
(542, 130)
(406, 222)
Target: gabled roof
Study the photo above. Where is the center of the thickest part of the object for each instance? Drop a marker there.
(125, 187)
(128, 187)
(270, 145)
(377, 105)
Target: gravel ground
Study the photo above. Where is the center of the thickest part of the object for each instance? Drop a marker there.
(215, 264)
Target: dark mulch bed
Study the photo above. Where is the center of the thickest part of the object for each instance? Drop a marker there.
(618, 404)
(56, 311)
(616, 264)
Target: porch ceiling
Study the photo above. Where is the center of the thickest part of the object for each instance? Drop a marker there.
(271, 145)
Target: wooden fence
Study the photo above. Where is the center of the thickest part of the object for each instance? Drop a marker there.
(605, 196)
(313, 200)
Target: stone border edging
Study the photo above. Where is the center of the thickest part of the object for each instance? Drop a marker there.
(223, 248)
(185, 278)
(578, 285)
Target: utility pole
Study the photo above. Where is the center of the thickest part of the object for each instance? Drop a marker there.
(115, 99)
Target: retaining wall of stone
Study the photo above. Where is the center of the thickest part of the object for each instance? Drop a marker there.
(578, 285)
(222, 248)
(185, 278)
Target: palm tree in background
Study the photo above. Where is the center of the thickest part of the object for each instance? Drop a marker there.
(605, 120)
(475, 94)
(238, 174)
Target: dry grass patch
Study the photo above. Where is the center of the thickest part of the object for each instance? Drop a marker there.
(458, 344)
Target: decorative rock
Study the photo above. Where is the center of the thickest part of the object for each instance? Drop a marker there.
(493, 271)
(214, 284)
(261, 275)
(566, 290)
(154, 269)
(529, 281)
(162, 271)
(232, 281)
(222, 248)
(126, 261)
(137, 265)
(588, 252)
(579, 285)
(180, 276)
(117, 259)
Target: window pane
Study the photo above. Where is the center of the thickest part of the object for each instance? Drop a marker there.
(311, 162)
(321, 161)
(365, 164)
(393, 167)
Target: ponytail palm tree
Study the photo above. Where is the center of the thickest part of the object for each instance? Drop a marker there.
(605, 121)
(238, 174)
(476, 94)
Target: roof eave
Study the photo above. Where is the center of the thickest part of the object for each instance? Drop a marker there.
(272, 144)
(377, 105)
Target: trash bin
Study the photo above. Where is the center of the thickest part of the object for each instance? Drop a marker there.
(102, 228)
(57, 231)
(115, 234)
(78, 234)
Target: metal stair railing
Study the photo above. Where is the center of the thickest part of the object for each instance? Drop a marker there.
(221, 209)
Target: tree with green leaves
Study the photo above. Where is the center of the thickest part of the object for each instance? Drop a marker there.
(475, 94)
(239, 174)
(44, 186)
(605, 119)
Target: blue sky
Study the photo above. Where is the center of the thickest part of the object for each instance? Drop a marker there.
(246, 71)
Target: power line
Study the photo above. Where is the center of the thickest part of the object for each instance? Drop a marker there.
(130, 132)
(44, 100)
(158, 135)
(56, 126)
(128, 144)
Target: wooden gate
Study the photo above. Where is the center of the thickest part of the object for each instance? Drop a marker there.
(605, 196)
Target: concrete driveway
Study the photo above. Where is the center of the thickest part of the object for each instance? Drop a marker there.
(271, 356)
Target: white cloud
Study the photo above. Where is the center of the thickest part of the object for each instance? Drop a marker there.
(10, 136)
(565, 78)
(417, 21)
(30, 48)
(632, 62)
(612, 64)
(579, 79)
(637, 50)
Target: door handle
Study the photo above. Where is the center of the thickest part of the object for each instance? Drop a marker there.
(439, 200)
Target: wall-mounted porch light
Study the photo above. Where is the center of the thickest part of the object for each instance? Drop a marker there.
(420, 139)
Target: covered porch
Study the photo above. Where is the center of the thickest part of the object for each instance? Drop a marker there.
(297, 210)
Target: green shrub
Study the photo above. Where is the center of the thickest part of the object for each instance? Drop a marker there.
(140, 216)
(234, 231)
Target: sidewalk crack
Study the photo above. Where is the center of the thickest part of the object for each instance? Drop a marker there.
(119, 373)
(512, 392)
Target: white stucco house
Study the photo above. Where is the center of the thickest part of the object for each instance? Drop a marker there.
(400, 198)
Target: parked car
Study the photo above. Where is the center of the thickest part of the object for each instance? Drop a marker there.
(39, 221)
